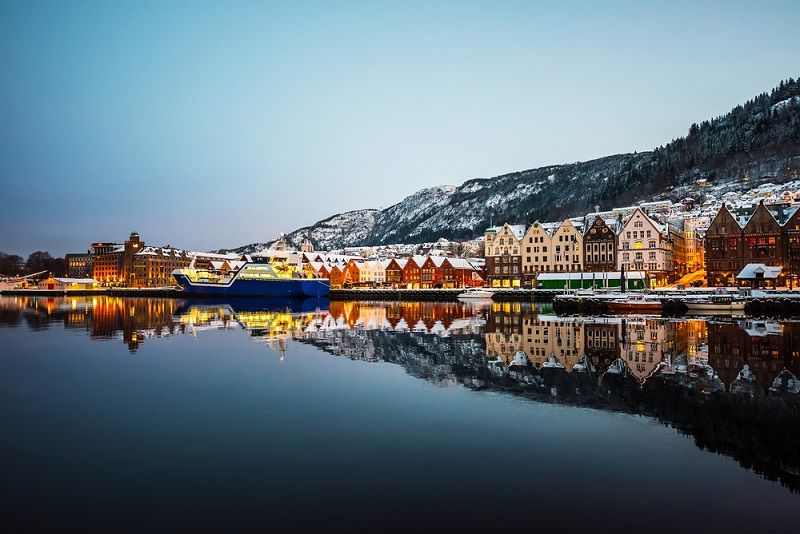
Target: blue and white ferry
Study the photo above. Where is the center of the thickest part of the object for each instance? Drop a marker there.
(252, 279)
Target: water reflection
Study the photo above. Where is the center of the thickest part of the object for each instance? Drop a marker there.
(731, 384)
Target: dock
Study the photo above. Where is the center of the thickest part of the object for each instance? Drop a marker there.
(441, 295)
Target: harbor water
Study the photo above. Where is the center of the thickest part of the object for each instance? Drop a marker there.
(151, 413)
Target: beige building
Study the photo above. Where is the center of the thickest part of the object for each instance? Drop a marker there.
(645, 245)
(537, 250)
(646, 343)
(567, 243)
(550, 335)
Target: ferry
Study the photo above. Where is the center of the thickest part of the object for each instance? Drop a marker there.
(252, 279)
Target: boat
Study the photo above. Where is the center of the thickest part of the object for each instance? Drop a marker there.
(476, 293)
(715, 304)
(634, 304)
(252, 279)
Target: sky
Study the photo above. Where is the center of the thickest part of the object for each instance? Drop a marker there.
(216, 124)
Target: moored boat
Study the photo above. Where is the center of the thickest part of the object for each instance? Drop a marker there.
(715, 304)
(636, 304)
(476, 293)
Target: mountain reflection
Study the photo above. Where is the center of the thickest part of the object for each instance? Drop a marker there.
(731, 384)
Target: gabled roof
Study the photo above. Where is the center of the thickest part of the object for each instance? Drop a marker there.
(460, 263)
(418, 260)
(761, 207)
(401, 262)
(518, 230)
(754, 271)
(436, 260)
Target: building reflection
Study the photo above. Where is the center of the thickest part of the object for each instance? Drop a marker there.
(764, 347)
(133, 320)
(730, 383)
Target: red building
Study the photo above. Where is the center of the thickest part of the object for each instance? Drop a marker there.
(457, 272)
(431, 272)
(352, 273)
(394, 271)
(412, 272)
(336, 276)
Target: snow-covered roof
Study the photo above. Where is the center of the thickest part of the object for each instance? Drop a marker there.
(754, 271)
(517, 229)
(438, 261)
(460, 263)
(761, 328)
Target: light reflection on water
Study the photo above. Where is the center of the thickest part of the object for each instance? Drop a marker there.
(729, 384)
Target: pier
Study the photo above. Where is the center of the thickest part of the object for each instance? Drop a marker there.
(500, 295)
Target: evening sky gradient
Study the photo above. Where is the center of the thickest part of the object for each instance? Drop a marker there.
(215, 124)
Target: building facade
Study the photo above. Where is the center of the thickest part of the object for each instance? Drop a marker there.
(724, 249)
(153, 266)
(537, 251)
(567, 242)
(763, 242)
(600, 246)
(79, 265)
(503, 253)
(642, 245)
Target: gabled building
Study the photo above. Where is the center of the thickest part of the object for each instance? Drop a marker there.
(431, 274)
(458, 272)
(762, 238)
(364, 273)
(791, 245)
(644, 244)
(352, 273)
(537, 255)
(412, 272)
(503, 252)
(567, 243)
(394, 271)
(336, 275)
(600, 245)
(724, 249)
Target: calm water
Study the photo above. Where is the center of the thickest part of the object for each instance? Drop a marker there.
(159, 413)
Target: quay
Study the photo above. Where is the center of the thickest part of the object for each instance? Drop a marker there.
(500, 295)
(674, 304)
(164, 292)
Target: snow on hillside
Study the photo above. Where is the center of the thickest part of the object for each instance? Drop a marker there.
(754, 144)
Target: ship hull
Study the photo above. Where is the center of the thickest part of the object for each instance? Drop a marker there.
(634, 307)
(712, 308)
(288, 287)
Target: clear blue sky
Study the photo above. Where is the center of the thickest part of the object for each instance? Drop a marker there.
(205, 125)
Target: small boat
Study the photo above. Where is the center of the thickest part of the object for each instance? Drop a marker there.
(476, 293)
(634, 304)
(716, 304)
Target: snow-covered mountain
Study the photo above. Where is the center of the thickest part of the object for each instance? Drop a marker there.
(754, 143)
